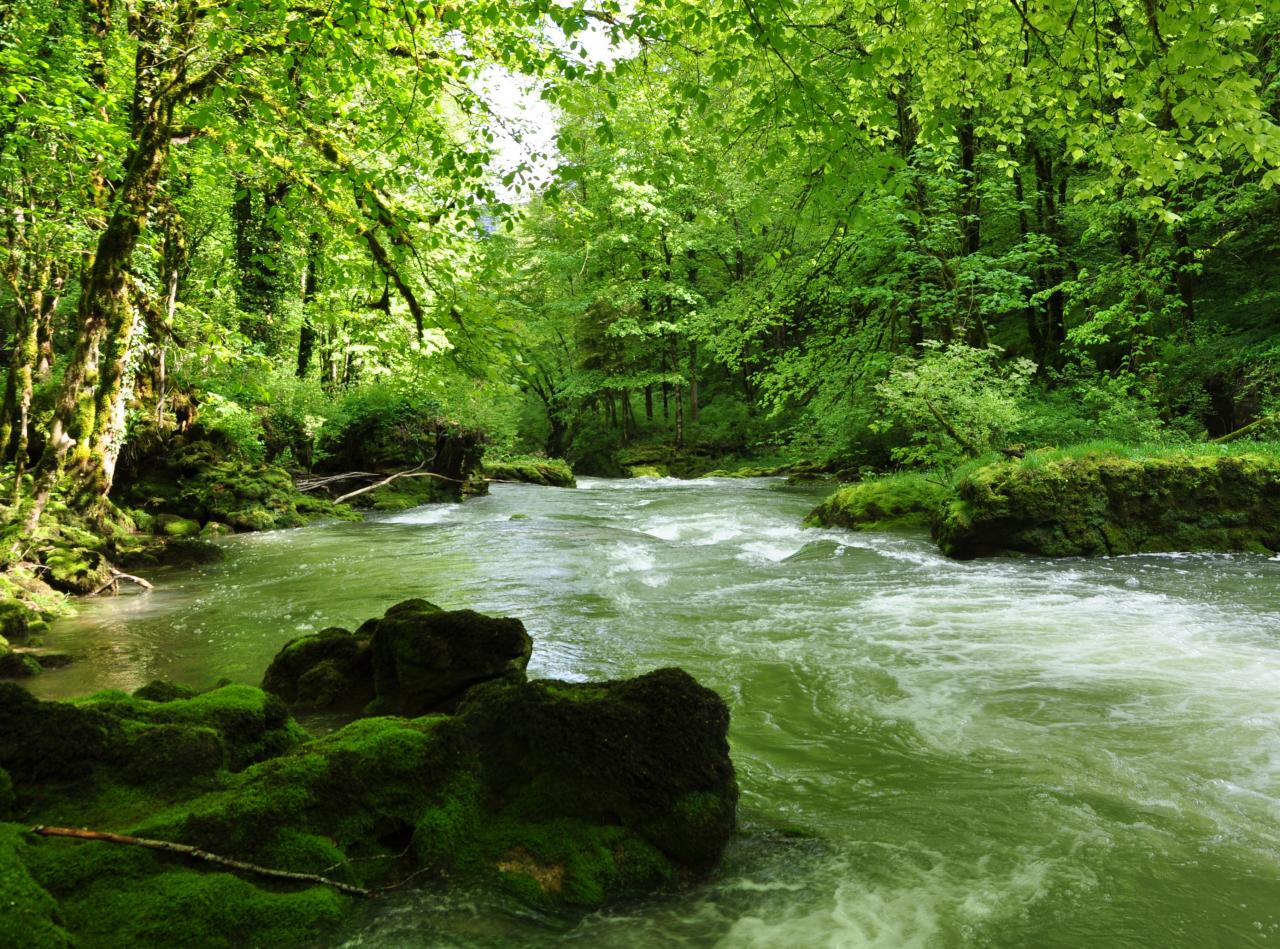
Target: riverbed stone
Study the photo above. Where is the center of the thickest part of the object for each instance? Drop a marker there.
(172, 525)
(424, 658)
(567, 795)
(330, 668)
(76, 569)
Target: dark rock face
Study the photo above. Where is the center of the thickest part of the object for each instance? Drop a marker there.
(1113, 505)
(417, 658)
(425, 658)
(331, 668)
(649, 753)
(41, 741)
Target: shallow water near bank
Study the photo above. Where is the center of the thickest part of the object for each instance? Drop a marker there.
(1001, 753)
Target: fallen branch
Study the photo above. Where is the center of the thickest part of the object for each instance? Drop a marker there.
(117, 576)
(310, 484)
(169, 846)
(1248, 429)
(411, 473)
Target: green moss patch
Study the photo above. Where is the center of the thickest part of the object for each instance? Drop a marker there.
(1087, 503)
(888, 503)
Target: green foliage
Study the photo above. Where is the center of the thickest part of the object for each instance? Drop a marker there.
(955, 402)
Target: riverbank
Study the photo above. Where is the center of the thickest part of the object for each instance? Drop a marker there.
(1088, 500)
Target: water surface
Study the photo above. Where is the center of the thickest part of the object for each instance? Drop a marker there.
(1006, 753)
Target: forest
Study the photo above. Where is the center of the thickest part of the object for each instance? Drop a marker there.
(994, 278)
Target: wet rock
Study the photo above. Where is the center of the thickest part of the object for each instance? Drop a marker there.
(549, 472)
(1106, 504)
(171, 525)
(424, 658)
(330, 668)
(76, 569)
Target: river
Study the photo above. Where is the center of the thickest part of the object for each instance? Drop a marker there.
(1015, 753)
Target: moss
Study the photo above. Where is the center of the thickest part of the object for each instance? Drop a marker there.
(6, 795)
(29, 915)
(171, 525)
(1083, 504)
(646, 471)
(191, 908)
(890, 503)
(253, 724)
(190, 480)
(19, 665)
(173, 754)
(424, 659)
(76, 569)
(329, 668)
(549, 472)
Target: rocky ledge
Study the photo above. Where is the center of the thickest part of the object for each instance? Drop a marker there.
(567, 795)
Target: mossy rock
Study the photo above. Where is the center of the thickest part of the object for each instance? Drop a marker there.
(29, 915)
(424, 658)
(646, 471)
(549, 472)
(1103, 504)
(199, 479)
(41, 741)
(327, 669)
(569, 796)
(15, 621)
(894, 502)
(19, 665)
(76, 569)
(171, 525)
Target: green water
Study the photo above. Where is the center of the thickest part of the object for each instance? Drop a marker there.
(1020, 754)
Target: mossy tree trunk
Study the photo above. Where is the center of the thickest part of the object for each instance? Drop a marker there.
(88, 416)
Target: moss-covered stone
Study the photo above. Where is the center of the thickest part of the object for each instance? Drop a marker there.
(646, 471)
(567, 795)
(1085, 505)
(171, 525)
(76, 569)
(190, 480)
(549, 472)
(891, 503)
(17, 664)
(29, 916)
(330, 668)
(424, 658)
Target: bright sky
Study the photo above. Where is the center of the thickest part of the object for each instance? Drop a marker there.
(526, 125)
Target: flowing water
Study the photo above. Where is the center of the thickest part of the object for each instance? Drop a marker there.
(1004, 753)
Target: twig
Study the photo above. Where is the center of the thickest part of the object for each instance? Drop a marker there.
(411, 473)
(310, 484)
(117, 576)
(169, 846)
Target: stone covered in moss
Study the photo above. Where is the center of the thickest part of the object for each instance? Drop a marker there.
(425, 658)
(331, 667)
(29, 915)
(567, 795)
(890, 503)
(549, 472)
(417, 658)
(76, 569)
(1107, 504)
(191, 480)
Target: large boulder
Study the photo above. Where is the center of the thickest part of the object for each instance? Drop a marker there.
(1108, 504)
(425, 658)
(330, 668)
(416, 659)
